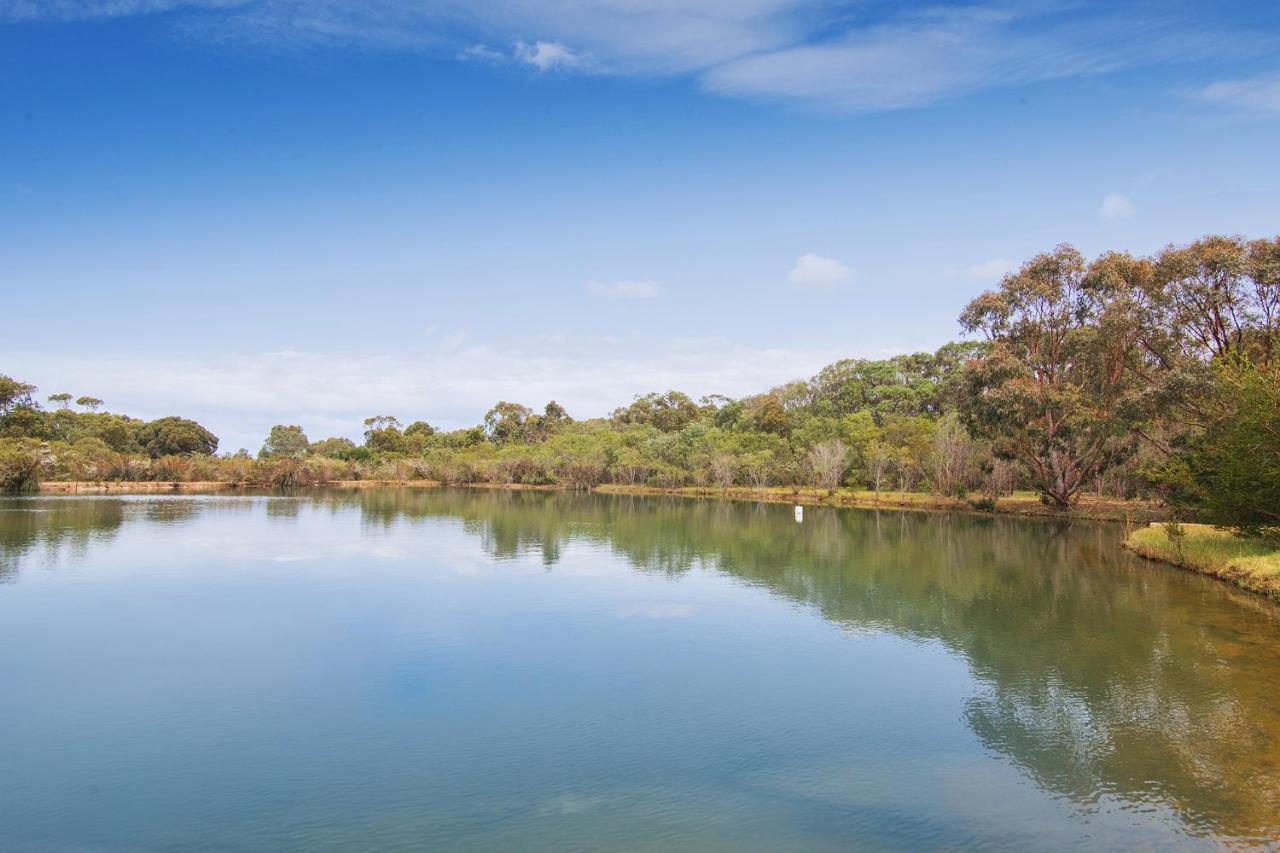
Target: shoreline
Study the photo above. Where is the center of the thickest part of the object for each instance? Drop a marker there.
(1091, 508)
(1251, 565)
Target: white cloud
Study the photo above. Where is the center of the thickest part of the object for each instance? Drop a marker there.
(637, 289)
(1116, 206)
(240, 397)
(481, 53)
(991, 270)
(816, 271)
(1261, 94)
(547, 55)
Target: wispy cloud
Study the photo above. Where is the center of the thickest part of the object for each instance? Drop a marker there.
(73, 10)
(816, 271)
(1116, 206)
(450, 384)
(547, 55)
(816, 52)
(631, 289)
(1259, 94)
(989, 270)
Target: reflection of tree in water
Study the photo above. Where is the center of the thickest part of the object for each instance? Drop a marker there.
(61, 527)
(1100, 674)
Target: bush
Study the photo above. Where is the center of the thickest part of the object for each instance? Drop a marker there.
(21, 464)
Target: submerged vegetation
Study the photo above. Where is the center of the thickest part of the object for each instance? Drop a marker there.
(1154, 377)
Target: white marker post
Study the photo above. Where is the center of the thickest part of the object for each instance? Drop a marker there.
(799, 514)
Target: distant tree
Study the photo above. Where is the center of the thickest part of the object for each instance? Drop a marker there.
(419, 428)
(1051, 391)
(382, 434)
(15, 394)
(951, 456)
(669, 412)
(176, 436)
(505, 422)
(90, 403)
(21, 463)
(62, 400)
(766, 413)
(285, 441)
(724, 469)
(541, 427)
(332, 448)
(828, 461)
(877, 458)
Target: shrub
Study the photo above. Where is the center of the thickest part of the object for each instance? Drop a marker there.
(21, 464)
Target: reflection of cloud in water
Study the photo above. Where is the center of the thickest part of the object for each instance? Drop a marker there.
(571, 804)
(657, 611)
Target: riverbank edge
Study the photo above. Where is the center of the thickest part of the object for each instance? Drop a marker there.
(1090, 508)
(1250, 564)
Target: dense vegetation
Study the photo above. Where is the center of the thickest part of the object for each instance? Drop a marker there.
(1124, 376)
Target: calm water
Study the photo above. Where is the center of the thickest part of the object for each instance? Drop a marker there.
(406, 670)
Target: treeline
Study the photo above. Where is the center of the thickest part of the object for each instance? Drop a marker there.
(1125, 376)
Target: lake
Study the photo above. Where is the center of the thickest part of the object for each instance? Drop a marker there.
(471, 669)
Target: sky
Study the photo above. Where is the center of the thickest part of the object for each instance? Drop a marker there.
(253, 212)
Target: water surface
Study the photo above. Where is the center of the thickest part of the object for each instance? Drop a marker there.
(457, 669)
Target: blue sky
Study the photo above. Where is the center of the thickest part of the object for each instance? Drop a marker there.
(262, 211)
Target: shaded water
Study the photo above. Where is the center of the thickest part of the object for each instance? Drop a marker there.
(492, 670)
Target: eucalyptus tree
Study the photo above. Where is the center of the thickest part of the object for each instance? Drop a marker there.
(1052, 391)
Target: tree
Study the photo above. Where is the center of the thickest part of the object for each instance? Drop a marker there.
(827, 461)
(382, 433)
(724, 468)
(176, 436)
(421, 428)
(1051, 392)
(15, 394)
(669, 412)
(1220, 298)
(505, 422)
(951, 457)
(90, 403)
(1230, 473)
(21, 461)
(62, 400)
(285, 441)
(766, 413)
(877, 457)
(541, 427)
(333, 448)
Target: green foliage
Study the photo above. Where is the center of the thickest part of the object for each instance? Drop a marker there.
(21, 462)
(15, 394)
(669, 412)
(333, 448)
(421, 428)
(285, 441)
(1076, 360)
(1049, 391)
(175, 436)
(382, 435)
(1230, 473)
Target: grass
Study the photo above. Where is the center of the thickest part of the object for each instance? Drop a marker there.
(1252, 564)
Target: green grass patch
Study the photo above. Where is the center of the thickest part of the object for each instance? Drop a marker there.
(1252, 564)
